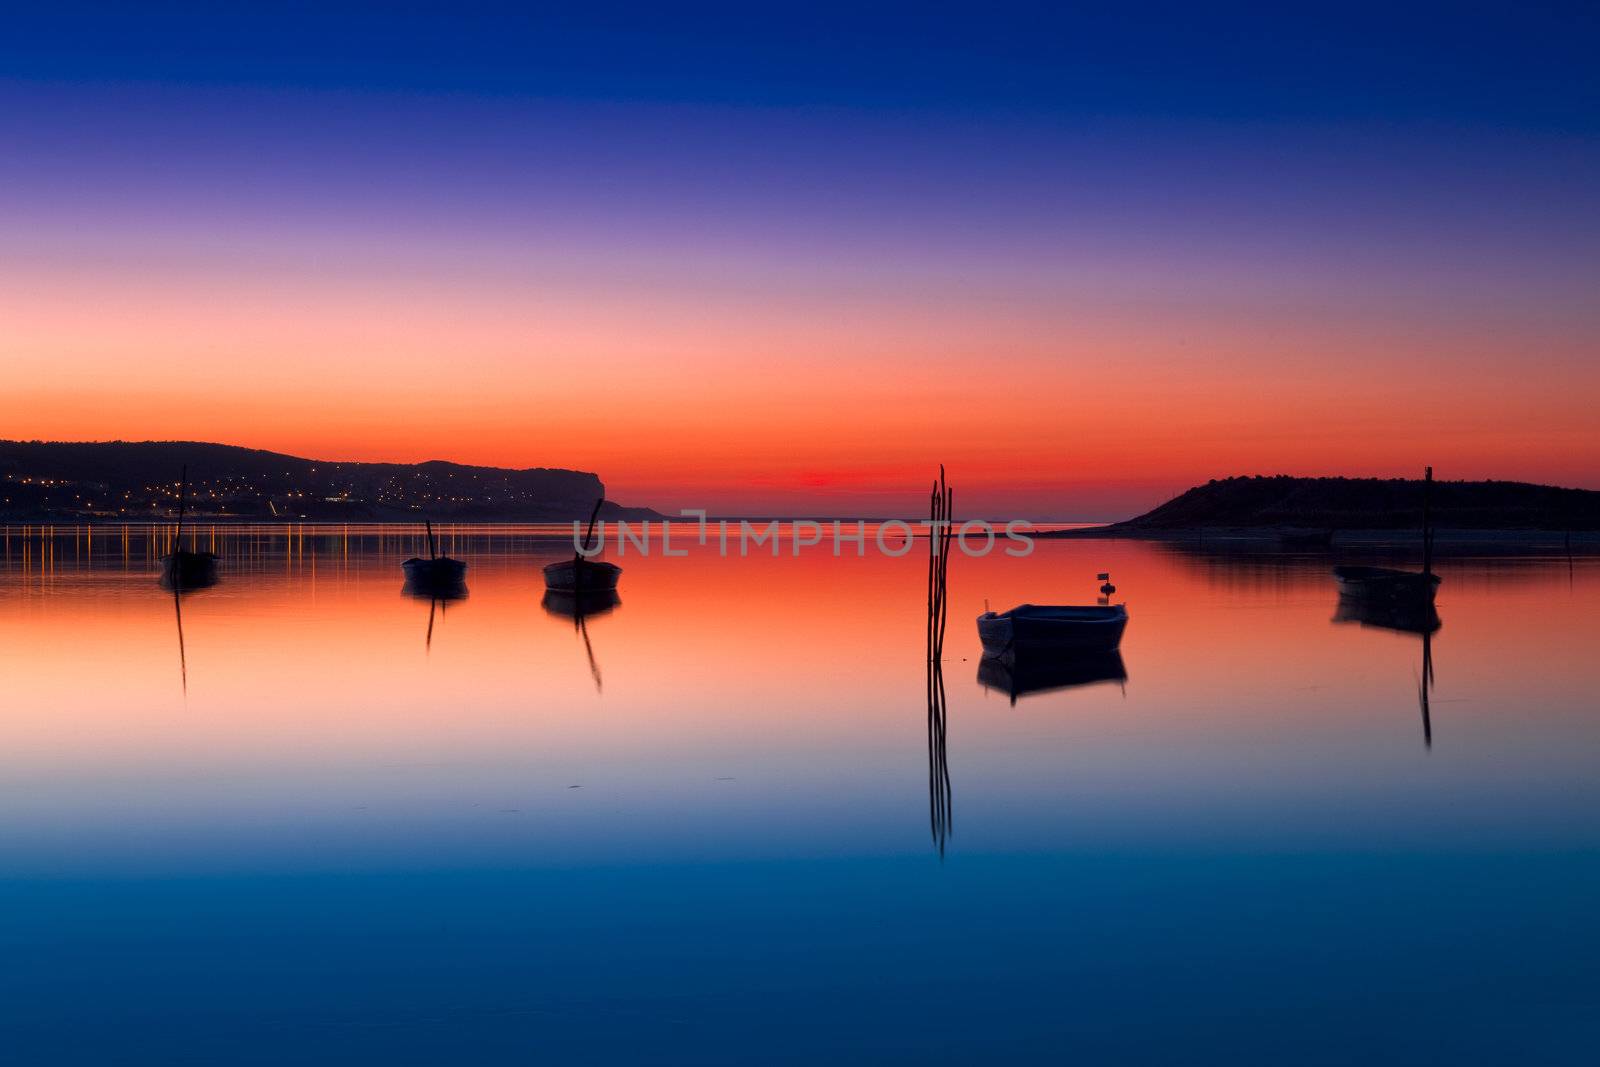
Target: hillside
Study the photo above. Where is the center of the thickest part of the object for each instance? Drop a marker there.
(1370, 504)
(139, 480)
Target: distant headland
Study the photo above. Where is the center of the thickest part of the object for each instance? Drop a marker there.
(1274, 504)
(131, 481)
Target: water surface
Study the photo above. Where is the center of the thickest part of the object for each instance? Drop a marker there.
(346, 823)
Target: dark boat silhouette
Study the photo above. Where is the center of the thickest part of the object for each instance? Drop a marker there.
(1030, 673)
(435, 572)
(1038, 628)
(1385, 583)
(579, 575)
(180, 568)
(1389, 583)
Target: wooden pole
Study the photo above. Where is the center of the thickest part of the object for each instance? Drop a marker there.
(1427, 521)
(577, 557)
(183, 495)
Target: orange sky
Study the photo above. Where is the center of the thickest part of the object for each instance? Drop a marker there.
(774, 312)
(691, 395)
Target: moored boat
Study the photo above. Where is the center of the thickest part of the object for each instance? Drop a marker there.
(1385, 583)
(581, 576)
(182, 569)
(578, 574)
(436, 571)
(188, 570)
(1040, 627)
(439, 570)
(1388, 583)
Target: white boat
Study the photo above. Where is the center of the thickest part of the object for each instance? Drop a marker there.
(1043, 627)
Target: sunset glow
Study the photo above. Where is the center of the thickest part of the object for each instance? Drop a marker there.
(794, 305)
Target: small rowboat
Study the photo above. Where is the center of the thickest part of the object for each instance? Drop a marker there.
(1385, 583)
(1035, 627)
(436, 571)
(581, 576)
(188, 570)
(182, 569)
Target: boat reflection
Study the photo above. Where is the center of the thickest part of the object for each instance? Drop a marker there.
(1023, 675)
(941, 822)
(1406, 617)
(1400, 616)
(580, 608)
(448, 592)
(591, 605)
(183, 658)
(187, 580)
(174, 582)
(438, 597)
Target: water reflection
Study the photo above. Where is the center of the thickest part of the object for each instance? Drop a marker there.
(940, 795)
(1029, 675)
(439, 596)
(590, 605)
(174, 581)
(580, 607)
(183, 658)
(1415, 615)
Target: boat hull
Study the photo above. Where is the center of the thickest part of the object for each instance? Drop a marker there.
(1027, 629)
(581, 576)
(188, 570)
(1385, 583)
(439, 572)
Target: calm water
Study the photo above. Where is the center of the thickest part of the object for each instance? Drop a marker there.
(328, 833)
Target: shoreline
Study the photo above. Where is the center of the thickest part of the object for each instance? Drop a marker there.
(1274, 535)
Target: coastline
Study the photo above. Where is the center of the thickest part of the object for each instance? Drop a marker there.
(1274, 535)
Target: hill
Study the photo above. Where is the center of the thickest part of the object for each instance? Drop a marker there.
(139, 480)
(1369, 504)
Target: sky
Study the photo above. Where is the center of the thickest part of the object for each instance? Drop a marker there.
(772, 261)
